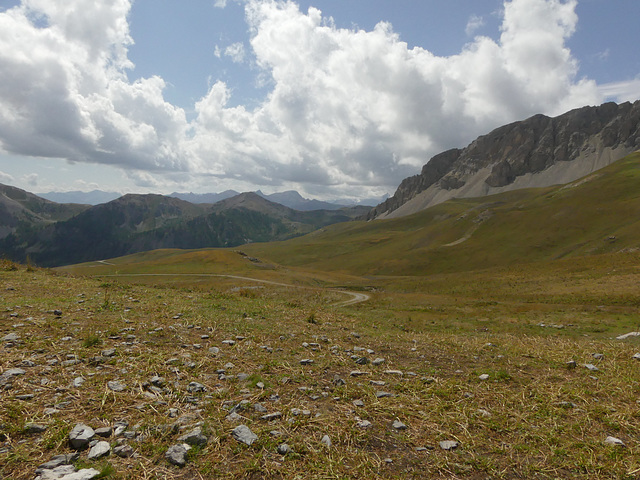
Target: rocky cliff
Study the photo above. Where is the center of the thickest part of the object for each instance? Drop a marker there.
(536, 152)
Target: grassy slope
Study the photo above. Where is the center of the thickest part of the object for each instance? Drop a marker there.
(522, 226)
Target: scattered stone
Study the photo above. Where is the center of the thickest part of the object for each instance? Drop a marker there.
(157, 381)
(34, 428)
(394, 372)
(636, 356)
(358, 403)
(571, 364)
(598, 356)
(484, 413)
(628, 335)
(271, 416)
(116, 386)
(68, 472)
(616, 442)
(377, 383)
(100, 449)
(80, 436)
(243, 434)
(338, 382)
(357, 373)
(109, 352)
(104, 432)
(591, 367)
(25, 396)
(12, 337)
(123, 451)
(57, 461)
(259, 408)
(234, 417)
(306, 361)
(194, 437)
(484, 376)
(364, 424)
(229, 342)
(13, 372)
(326, 441)
(378, 361)
(195, 387)
(449, 445)
(78, 382)
(362, 361)
(284, 449)
(177, 454)
(383, 394)
(214, 351)
(398, 425)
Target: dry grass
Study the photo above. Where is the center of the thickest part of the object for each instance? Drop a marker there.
(533, 418)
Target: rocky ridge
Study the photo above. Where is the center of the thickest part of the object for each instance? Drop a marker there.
(537, 152)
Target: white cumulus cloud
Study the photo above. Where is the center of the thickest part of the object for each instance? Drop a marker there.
(348, 109)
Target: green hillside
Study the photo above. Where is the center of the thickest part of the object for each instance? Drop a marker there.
(595, 215)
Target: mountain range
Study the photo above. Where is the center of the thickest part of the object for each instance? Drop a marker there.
(51, 234)
(536, 152)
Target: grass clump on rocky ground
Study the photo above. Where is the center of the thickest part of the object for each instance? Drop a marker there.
(164, 379)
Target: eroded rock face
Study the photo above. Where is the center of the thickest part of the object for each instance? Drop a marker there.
(527, 147)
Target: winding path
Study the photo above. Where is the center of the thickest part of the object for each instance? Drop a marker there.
(355, 296)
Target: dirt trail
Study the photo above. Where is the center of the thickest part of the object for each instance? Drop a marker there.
(355, 296)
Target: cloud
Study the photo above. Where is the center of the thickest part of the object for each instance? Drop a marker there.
(474, 23)
(220, 3)
(31, 179)
(626, 91)
(235, 51)
(6, 178)
(348, 109)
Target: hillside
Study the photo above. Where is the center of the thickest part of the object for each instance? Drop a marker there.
(597, 214)
(21, 210)
(135, 223)
(536, 152)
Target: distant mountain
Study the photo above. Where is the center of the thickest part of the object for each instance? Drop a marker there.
(24, 211)
(205, 197)
(94, 197)
(293, 199)
(135, 223)
(536, 152)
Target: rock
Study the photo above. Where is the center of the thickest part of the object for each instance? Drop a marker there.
(271, 416)
(383, 394)
(104, 432)
(362, 361)
(243, 434)
(571, 364)
(378, 361)
(194, 437)
(123, 451)
(449, 445)
(177, 454)
(13, 372)
(195, 387)
(394, 372)
(337, 381)
(357, 373)
(614, 441)
(157, 381)
(58, 460)
(484, 376)
(68, 472)
(628, 335)
(78, 382)
(636, 356)
(34, 428)
(80, 436)
(11, 337)
(326, 441)
(214, 351)
(109, 352)
(364, 424)
(398, 425)
(358, 403)
(259, 408)
(100, 449)
(598, 356)
(116, 386)
(306, 361)
(284, 449)
(591, 367)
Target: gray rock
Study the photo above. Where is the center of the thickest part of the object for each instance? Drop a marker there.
(591, 367)
(616, 442)
(13, 372)
(123, 451)
(284, 449)
(58, 460)
(338, 381)
(306, 361)
(214, 351)
(100, 449)
(259, 408)
(449, 445)
(271, 416)
(378, 361)
(394, 372)
(195, 387)
(484, 376)
(364, 424)
(362, 361)
(78, 382)
(636, 356)
(34, 428)
(358, 403)
(80, 436)
(383, 395)
(243, 434)
(326, 441)
(104, 432)
(357, 373)
(398, 425)
(11, 337)
(177, 454)
(194, 437)
(110, 352)
(68, 472)
(116, 386)
(157, 381)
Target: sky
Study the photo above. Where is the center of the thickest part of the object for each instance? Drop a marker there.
(332, 98)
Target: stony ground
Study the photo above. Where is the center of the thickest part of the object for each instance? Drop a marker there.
(119, 381)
